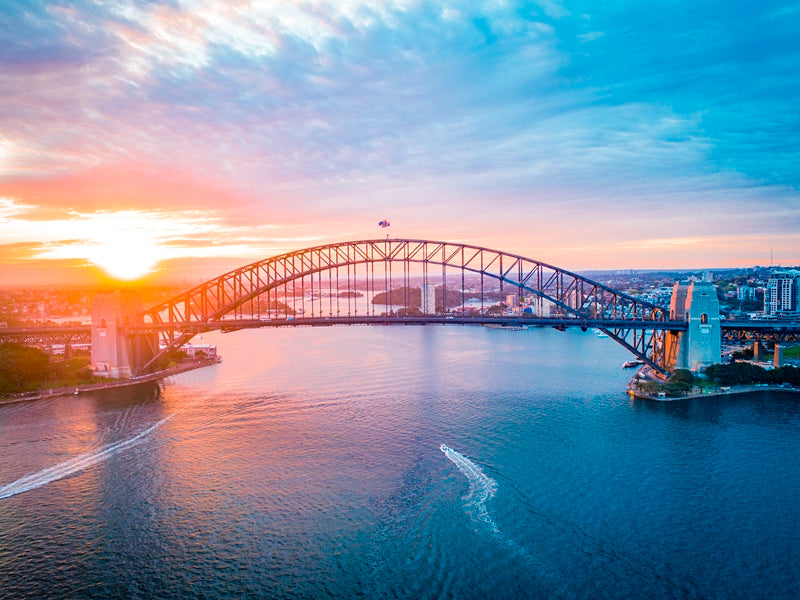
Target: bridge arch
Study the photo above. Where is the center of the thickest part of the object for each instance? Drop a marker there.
(241, 297)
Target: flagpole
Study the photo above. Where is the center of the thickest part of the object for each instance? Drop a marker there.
(384, 224)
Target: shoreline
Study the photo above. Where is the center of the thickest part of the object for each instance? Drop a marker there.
(645, 373)
(116, 383)
(730, 391)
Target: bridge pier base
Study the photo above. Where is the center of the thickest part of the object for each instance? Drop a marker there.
(757, 354)
(700, 345)
(117, 354)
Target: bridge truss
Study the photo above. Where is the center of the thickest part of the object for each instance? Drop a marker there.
(46, 336)
(383, 281)
(760, 331)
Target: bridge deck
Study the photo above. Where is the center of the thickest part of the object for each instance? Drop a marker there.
(509, 321)
(754, 327)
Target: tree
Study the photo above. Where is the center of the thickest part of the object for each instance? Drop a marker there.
(22, 368)
(399, 297)
(682, 376)
(737, 373)
(679, 383)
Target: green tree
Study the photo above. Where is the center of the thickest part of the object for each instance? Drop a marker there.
(682, 376)
(737, 373)
(22, 368)
(679, 383)
(743, 353)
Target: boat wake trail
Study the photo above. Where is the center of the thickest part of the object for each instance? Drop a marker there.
(481, 487)
(73, 465)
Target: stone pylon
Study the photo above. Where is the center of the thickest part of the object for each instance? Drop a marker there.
(116, 352)
(701, 344)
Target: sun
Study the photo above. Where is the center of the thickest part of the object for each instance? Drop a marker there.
(123, 245)
(127, 245)
(125, 259)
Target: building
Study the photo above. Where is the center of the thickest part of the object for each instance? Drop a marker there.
(428, 305)
(200, 351)
(745, 292)
(782, 294)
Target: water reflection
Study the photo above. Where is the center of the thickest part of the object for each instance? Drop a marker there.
(309, 464)
(755, 408)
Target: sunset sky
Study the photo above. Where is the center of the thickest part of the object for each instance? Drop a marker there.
(185, 138)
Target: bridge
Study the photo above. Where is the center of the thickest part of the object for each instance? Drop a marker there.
(411, 282)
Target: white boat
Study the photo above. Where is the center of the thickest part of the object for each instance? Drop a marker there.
(505, 327)
(632, 363)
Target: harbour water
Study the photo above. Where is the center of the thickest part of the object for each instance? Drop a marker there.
(400, 462)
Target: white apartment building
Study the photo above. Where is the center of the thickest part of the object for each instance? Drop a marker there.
(782, 294)
(428, 299)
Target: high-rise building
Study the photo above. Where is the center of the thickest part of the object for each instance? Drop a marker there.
(428, 306)
(782, 296)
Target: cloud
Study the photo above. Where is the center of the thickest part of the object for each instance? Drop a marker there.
(450, 115)
(9, 208)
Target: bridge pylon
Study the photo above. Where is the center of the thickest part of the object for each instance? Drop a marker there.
(700, 345)
(117, 353)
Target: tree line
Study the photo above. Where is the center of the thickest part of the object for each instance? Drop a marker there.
(27, 369)
(411, 297)
(745, 373)
(681, 381)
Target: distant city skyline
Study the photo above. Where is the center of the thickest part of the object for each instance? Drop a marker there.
(178, 140)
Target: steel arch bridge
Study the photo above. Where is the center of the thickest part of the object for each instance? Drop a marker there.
(398, 281)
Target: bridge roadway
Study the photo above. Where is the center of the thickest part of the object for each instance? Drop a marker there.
(232, 324)
(642, 331)
(504, 321)
(47, 334)
(731, 330)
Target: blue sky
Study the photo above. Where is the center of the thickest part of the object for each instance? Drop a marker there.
(585, 134)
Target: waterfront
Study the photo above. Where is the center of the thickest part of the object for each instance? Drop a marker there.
(400, 462)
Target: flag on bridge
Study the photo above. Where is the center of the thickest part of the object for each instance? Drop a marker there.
(384, 223)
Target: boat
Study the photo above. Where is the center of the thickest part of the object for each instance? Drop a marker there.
(505, 327)
(629, 364)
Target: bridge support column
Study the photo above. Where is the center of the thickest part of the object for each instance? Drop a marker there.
(777, 358)
(115, 353)
(757, 355)
(700, 345)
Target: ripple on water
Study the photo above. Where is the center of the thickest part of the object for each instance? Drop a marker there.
(310, 463)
